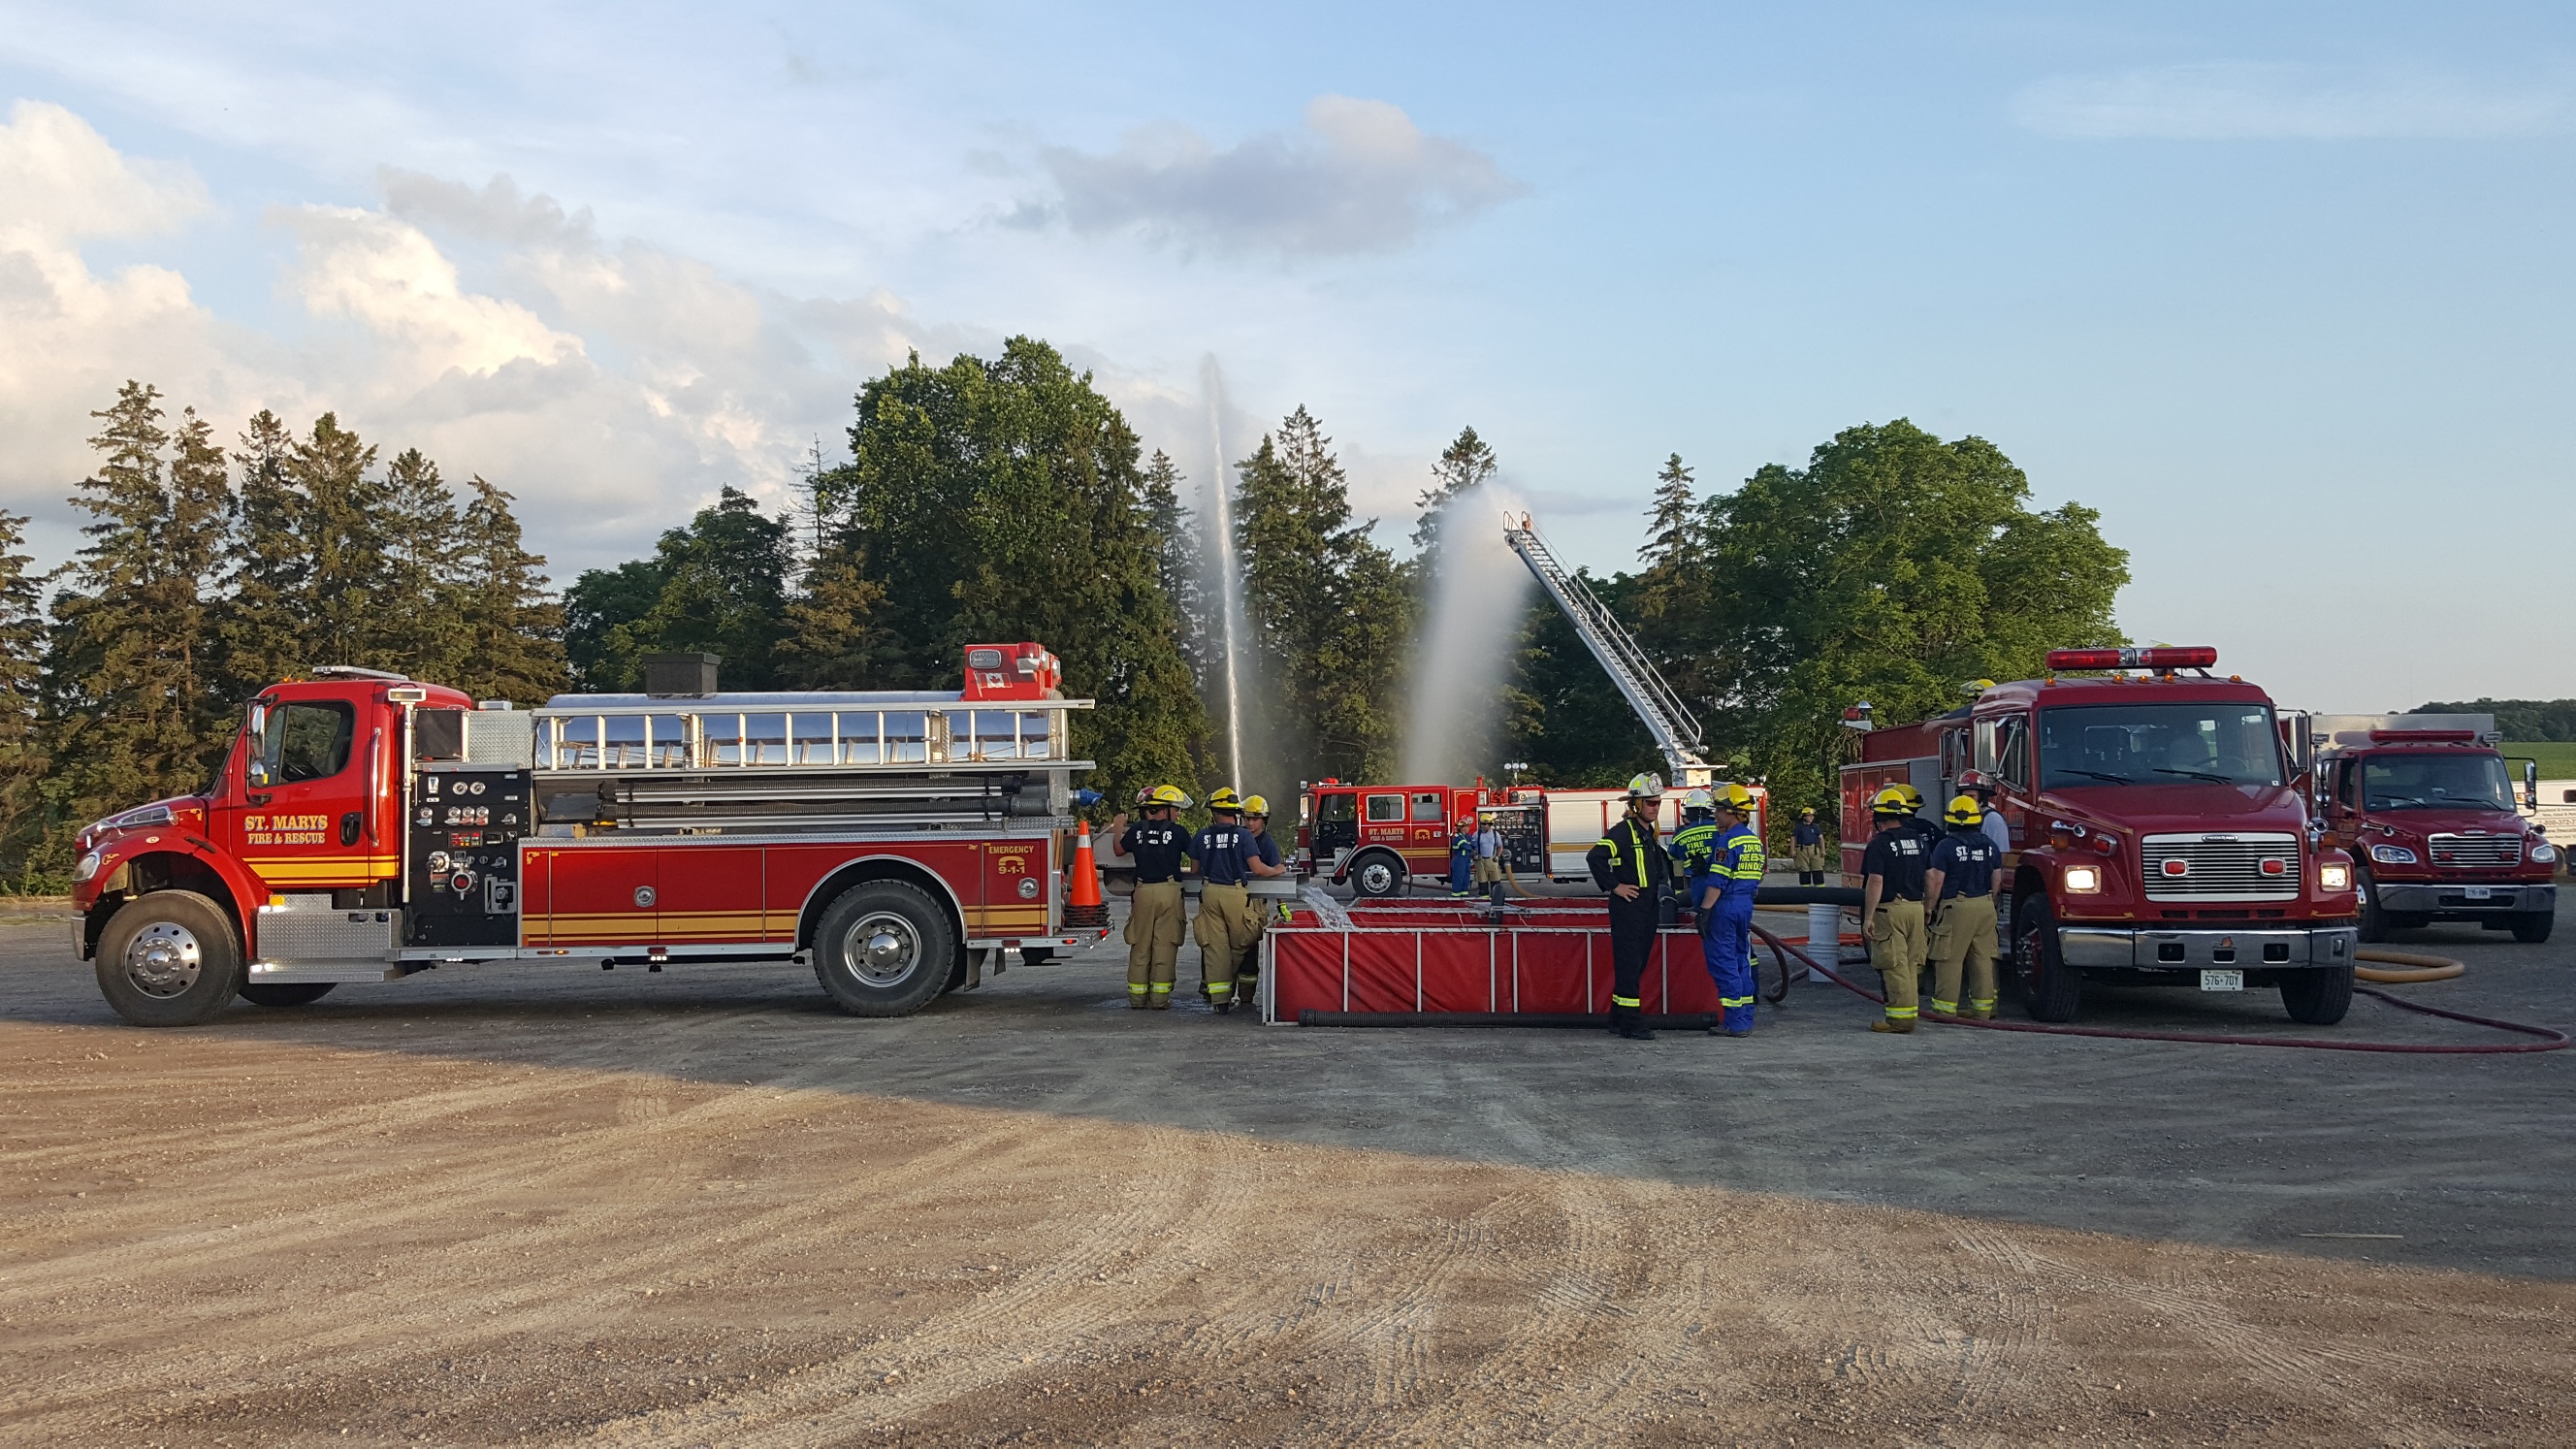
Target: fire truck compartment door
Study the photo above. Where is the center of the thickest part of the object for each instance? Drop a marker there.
(710, 895)
(303, 815)
(599, 895)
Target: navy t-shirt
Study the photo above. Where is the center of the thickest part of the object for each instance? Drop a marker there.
(1222, 849)
(1157, 847)
(1901, 856)
(1966, 859)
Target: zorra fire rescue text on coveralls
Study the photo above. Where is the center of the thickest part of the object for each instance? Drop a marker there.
(1631, 855)
(1690, 849)
(1225, 907)
(1735, 864)
(1963, 921)
(1896, 857)
(1154, 921)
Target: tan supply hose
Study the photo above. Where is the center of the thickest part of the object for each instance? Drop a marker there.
(2418, 968)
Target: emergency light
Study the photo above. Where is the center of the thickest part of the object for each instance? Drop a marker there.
(2196, 656)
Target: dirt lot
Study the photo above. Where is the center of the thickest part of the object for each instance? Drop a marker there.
(695, 1207)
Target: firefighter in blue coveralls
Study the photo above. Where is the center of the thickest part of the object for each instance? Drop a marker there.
(1724, 898)
(1691, 843)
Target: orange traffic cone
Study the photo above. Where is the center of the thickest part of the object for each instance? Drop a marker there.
(1085, 910)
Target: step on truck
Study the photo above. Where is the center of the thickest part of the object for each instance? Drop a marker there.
(2426, 805)
(2160, 833)
(365, 827)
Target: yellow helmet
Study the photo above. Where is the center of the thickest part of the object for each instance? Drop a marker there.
(1963, 810)
(1256, 805)
(1168, 795)
(1225, 799)
(1735, 798)
(1912, 797)
(1646, 787)
(1890, 801)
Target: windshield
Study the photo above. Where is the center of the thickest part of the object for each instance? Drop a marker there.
(2430, 782)
(2158, 744)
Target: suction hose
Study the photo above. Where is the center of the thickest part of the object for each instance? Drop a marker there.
(2550, 1040)
(2419, 968)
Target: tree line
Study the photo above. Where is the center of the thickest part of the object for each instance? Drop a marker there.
(208, 573)
(1001, 499)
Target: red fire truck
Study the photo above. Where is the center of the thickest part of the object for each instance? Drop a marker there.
(2427, 804)
(1377, 838)
(2159, 834)
(366, 826)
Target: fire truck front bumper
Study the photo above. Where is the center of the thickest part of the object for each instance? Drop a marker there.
(2151, 949)
(2457, 901)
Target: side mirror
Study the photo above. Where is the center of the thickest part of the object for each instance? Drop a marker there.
(2531, 785)
(254, 739)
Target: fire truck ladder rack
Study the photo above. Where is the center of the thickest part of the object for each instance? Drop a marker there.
(1676, 731)
(799, 762)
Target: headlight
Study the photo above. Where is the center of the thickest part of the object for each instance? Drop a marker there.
(88, 866)
(2391, 855)
(2543, 852)
(2337, 876)
(2083, 880)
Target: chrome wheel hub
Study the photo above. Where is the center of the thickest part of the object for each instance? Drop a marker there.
(881, 949)
(163, 959)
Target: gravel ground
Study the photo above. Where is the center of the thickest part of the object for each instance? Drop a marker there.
(697, 1207)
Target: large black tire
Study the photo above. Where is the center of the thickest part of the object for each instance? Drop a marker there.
(2050, 989)
(2318, 996)
(286, 993)
(171, 958)
(1377, 874)
(2532, 927)
(884, 948)
(2375, 923)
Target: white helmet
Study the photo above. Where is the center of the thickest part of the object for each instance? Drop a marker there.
(1646, 787)
(1698, 800)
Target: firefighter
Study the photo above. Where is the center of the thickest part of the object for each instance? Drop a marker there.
(1891, 906)
(1632, 865)
(1691, 843)
(1486, 875)
(1959, 893)
(1462, 856)
(1736, 861)
(1981, 785)
(1227, 860)
(1256, 823)
(1808, 848)
(1155, 917)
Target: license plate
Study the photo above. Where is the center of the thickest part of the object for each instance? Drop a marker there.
(2222, 981)
(2478, 893)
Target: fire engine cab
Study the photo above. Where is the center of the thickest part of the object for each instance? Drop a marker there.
(2427, 806)
(2159, 835)
(366, 826)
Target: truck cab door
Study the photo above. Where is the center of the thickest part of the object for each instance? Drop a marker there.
(304, 792)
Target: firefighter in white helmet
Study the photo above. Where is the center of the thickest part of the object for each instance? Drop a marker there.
(1228, 860)
(1632, 865)
(1691, 842)
(1959, 889)
(1156, 915)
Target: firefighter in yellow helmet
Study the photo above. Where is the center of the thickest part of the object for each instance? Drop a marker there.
(1891, 906)
(1256, 823)
(1228, 860)
(1959, 890)
(1736, 863)
(1632, 865)
(1156, 915)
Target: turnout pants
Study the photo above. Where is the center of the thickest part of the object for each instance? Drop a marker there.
(1632, 942)
(1726, 940)
(1224, 931)
(1488, 878)
(1964, 936)
(1153, 942)
(1896, 948)
(1811, 864)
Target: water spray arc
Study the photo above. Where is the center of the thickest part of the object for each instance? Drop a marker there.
(1232, 623)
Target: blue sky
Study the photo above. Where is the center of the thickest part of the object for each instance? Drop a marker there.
(2282, 290)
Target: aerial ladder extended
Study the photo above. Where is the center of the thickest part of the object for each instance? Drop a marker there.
(1676, 731)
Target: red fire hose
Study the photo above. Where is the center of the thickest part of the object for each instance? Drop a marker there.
(2550, 1039)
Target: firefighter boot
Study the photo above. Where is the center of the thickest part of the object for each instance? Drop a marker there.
(1135, 996)
(1161, 997)
(1630, 1022)
(1897, 1024)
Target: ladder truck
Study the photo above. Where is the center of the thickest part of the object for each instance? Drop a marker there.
(365, 827)
(1675, 730)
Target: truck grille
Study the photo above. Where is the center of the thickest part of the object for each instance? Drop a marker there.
(2476, 849)
(2222, 867)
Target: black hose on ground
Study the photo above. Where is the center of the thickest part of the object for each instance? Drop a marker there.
(2550, 1039)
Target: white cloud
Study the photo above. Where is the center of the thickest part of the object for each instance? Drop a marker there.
(2248, 100)
(60, 180)
(1362, 178)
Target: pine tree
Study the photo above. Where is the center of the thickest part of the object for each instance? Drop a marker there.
(262, 625)
(513, 632)
(1328, 606)
(196, 542)
(833, 640)
(420, 623)
(22, 757)
(345, 517)
(1668, 520)
(1671, 596)
(1180, 566)
(1461, 468)
(724, 591)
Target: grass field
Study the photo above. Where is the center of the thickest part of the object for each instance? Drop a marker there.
(2557, 758)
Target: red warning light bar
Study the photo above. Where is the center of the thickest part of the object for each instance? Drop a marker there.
(2196, 656)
